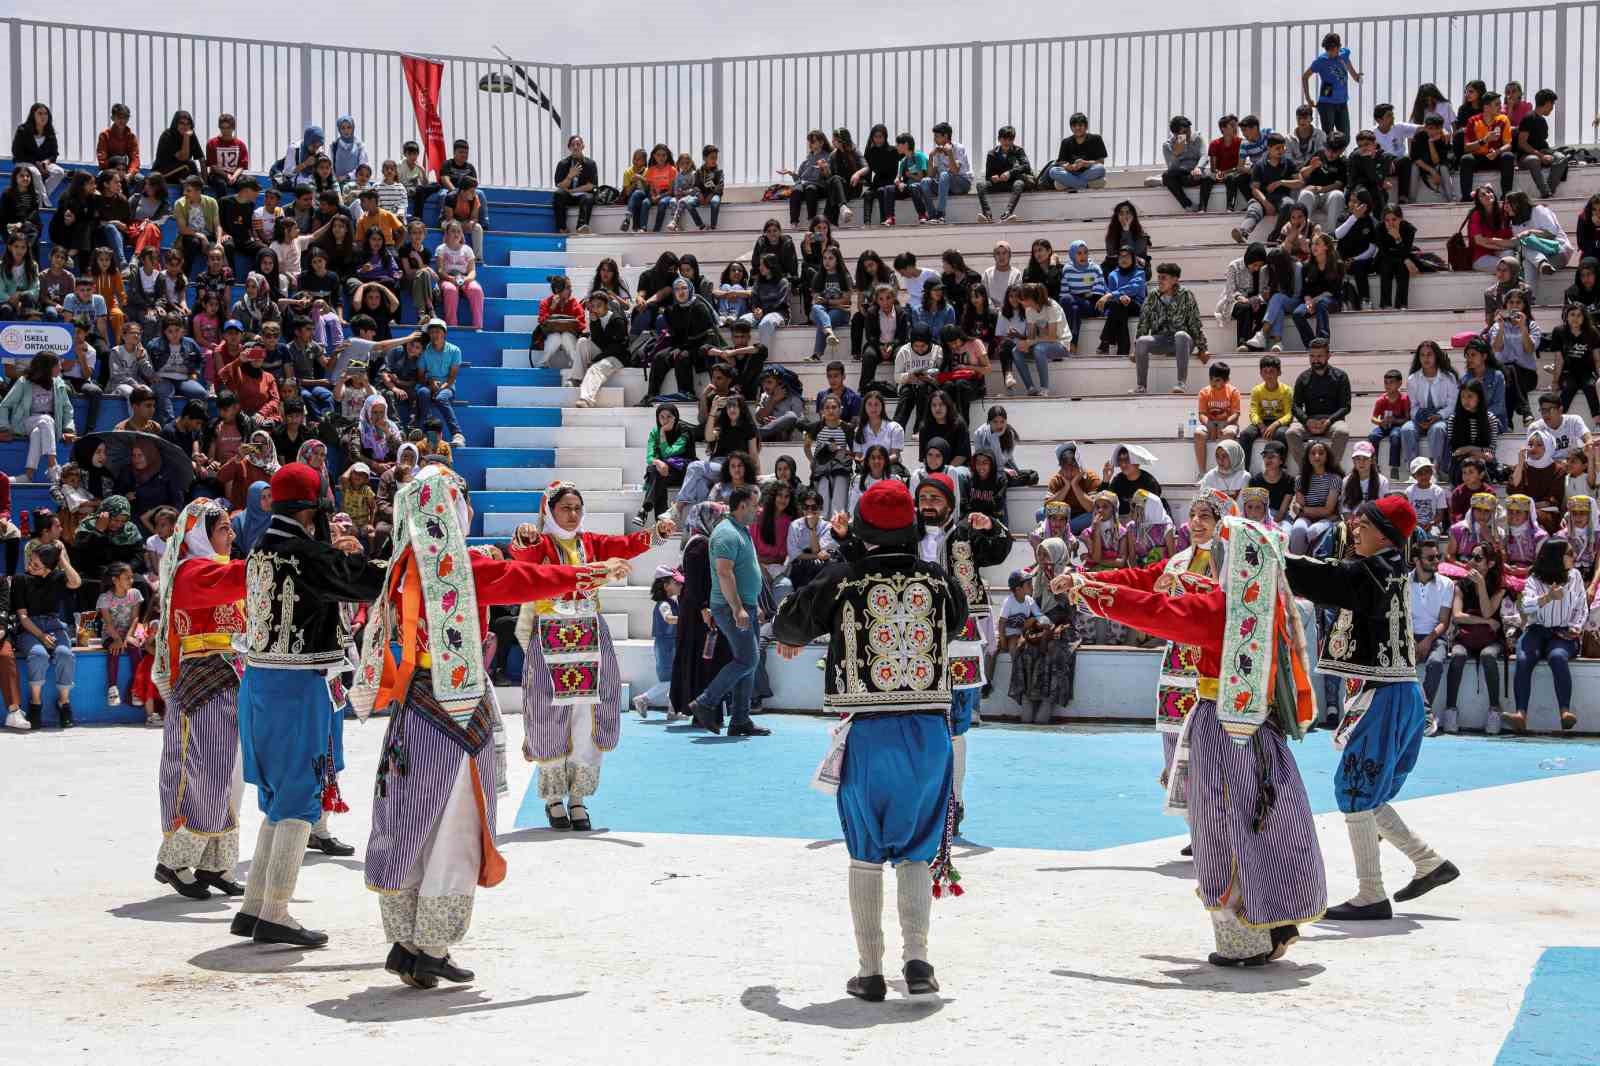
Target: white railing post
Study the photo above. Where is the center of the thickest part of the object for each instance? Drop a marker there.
(1255, 70)
(975, 123)
(1558, 120)
(305, 89)
(18, 104)
(716, 108)
(565, 102)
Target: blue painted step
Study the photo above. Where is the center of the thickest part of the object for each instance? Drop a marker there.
(471, 462)
(478, 421)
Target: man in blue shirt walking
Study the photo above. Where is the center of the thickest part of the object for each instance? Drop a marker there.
(735, 590)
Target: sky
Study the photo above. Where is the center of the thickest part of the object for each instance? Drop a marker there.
(630, 30)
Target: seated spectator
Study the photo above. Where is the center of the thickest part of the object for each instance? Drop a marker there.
(1005, 169)
(1540, 477)
(1151, 536)
(781, 408)
(576, 178)
(949, 171)
(1427, 498)
(82, 369)
(1472, 484)
(1274, 183)
(1224, 164)
(1123, 231)
(1554, 607)
(1578, 529)
(1488, 230)
(439, 364)
(1047, 337)
(1431, 396)
(810, 176)
(1489, 144)
(831, 298)
(827, 447)
(910, 169)
(1431, 152)
(1514, 338)
(1471, 430)
(457, 265)
(916, 369)
(466, 210)
(110, 538)
(1083, 285)
(966, 366)
(117, 146)
(1245, 293)
(1274, 481)
(379, 437)
(1325, 180)
(1538, 238)
(935, 453)
(1363, 483)
(393, 194)
(1321, 290)
(141, 413)
(562, 323)
(691, 330)
(1169, 322)
(34, 147)
(810, 544)
(1316, 500)
(706, 190)
(44, 638)
(1072, 487)
(38, 408)
(1523, 534)
(871, 470)
(1080, 160)
(1184, 154)
(1128, 460)
(604, 350)
(1547, 167)
(1220, 409)
(1321, 405)
(20, 217)
(1391, 412)
(1271, 408)
(1475, 613)
(1227, 474)
(770, 531)
(769, 301)
(730, 430)
(849, 399)
(874, 429)
(668, 452)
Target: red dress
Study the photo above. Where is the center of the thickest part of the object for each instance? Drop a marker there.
(1195, 618)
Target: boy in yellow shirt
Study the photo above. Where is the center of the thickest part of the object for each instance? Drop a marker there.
(1219, 413)
(1271, 407)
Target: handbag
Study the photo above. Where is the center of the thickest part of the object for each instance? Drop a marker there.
(1458, 250)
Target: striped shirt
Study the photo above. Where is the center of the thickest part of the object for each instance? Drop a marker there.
(1567, 611)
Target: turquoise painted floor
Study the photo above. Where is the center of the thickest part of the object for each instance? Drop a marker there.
(1064, 788)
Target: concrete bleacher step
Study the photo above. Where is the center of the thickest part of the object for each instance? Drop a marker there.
(505, 524)
(575, 436)
(551, 396)
(527, 478)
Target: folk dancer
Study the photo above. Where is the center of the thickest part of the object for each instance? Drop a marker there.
(891, 620)
(200, 606)
(295, 582)
(1256, 858)
(1380, 730)
(1194, 569)
(571, 688)
(433, 815)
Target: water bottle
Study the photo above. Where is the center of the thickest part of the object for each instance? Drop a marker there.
(1190, 427)
(708, 651)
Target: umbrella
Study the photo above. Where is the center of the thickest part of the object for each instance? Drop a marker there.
(119, 443)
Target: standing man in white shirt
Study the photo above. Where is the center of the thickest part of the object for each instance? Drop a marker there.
(1432, 602)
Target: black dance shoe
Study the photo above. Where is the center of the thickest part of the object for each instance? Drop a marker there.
(556, 814)
(272, 933)
(243, 925)
(872, 989)
(402, 964)
(1219, 959)
(215, 879)
(1419, 886)
(329, 845)
(189, 889)
(580, 822)
(429, 968)
(1380, 911)
(1283, 938)
(919, 978)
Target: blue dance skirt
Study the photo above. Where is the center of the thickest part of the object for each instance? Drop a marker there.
(894, 788)
(1382, 749)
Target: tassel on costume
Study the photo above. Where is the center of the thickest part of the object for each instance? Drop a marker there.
(941, 868)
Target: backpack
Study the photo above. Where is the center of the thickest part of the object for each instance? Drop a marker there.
(606, 195)
(775, 193)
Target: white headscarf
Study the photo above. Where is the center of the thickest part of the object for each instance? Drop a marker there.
(1549, 455)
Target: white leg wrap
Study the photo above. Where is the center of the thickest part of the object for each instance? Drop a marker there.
(255, 886)
(914, 901)
(866, 914)
(1363, 829)
(288, 852)
(958, 745)
(1393, 829)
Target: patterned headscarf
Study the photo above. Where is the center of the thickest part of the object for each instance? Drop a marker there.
(702, 519)
(1060, 557)
(191, 539)
(117, 506)
(314, 454)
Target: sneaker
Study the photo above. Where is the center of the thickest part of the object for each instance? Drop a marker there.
(922, 220)
(627, 224)
(641, 706)
(935, 220)
(888, 223)
(1491, 724)
(1007, 217)
(672, 227)
(153, 720)
(585, 231)
(1238, 235)
(984, 216)
(113, 697)
(1277, 346)
(458, 441)
(1137, 390)
(1035, 391)
(1011, 383)
(814, 357)
(1449, 721)
(845, 216)
(833, 339)
(1546, 267)
(1180, 388)
(1430, 725)
(15, 719)
(1257, 343)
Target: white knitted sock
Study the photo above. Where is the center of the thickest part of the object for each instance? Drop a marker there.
(283, 870)
(255, 886)
(914, 901)
(1363, 829)
(958, 746)
(866, 914)
(321, 828)
(1393, 829)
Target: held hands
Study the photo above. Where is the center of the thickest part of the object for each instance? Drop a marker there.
(347, 544)
(525, 535)
(789, 651)
(1067, 584)
(665, 528)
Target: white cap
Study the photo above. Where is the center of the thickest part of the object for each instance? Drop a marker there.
(1421, 462)
(359, 468)
(435, 322)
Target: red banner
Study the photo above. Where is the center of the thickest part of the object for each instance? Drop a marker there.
(423, 77)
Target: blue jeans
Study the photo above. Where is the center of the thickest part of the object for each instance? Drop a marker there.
(1062, 178)
(638, 201)
(435, 398)
(736, 681)
(166, 389)
(1319, 309)
(1277, 308)
(1542, 642)
(1040, 355)
(943, 185)
(40, 659)
(1400, 451)
(663, 205)
(1436, 441)
(1076, 308)
(825, 318)
(111, 237)
(692, 203)
(318, 400)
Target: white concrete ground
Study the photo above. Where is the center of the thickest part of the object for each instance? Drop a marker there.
(623, 948)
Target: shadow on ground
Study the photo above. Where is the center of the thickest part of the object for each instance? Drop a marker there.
(397, 1003)
(847, 1013)
(243, 956)
(1197, 975)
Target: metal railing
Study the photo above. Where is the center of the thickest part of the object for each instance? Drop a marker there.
(758, 108)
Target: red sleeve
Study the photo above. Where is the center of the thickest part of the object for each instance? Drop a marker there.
(608, 546)
(1194, 618)
(544, 309)
(1139, 577)
(204, 583)
(501, 582)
